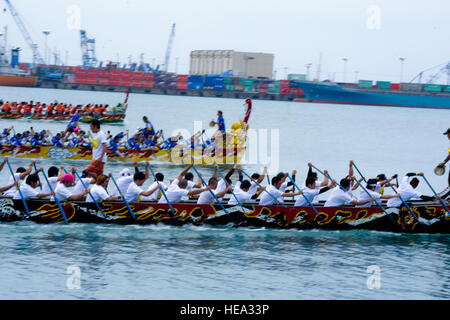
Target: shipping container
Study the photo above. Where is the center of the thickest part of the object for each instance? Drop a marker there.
(365, 83)
(284, 90)
(195, 79)
(284, 83)
(300, 77)
(383, 85)
(182, 85)
(229, 87)
(432, 87)
(395, 86)
(446, 88)
(195, 85)
(411, 86)
(182, 78)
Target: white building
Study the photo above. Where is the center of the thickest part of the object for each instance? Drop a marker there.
(241, 64)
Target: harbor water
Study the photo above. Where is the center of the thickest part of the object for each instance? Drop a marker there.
(164, 262)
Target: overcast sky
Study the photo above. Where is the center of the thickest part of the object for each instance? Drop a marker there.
(373, 34)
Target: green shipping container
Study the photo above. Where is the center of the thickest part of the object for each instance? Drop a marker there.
(227, 80)
(365, 83)
(432, 87)
(273, 89)
(249, 88)
(446, 89)
(296, 77)
(383, 85)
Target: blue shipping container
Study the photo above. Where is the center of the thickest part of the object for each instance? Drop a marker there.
(195, 86)
(195, 78)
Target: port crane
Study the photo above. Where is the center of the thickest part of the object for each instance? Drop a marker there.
(37, 58)
(434, 77)
(87, 51)
(169, 48)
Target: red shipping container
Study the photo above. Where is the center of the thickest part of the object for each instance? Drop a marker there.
(395, 86)
(182, 78)
(284, 90)
(149, 84)
(285, 83)
(182, 85)
(263, 90)
(124, 83)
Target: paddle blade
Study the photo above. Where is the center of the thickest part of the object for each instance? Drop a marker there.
(439, 171)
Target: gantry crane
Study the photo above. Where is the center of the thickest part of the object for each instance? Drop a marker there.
(169, 48)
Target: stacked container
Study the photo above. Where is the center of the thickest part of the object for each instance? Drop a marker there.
(195, 82)
(386, 85)
(182, 82)
(432, 87)
(411, 86)
(365, 83)
(149, 80)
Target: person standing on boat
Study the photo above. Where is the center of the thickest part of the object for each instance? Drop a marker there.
(149, 130)
(99, 149)
(442, 164)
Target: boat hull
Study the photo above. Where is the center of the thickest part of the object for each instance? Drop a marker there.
(17, 81)
(431, 216)
(328, 93)
(85, 119)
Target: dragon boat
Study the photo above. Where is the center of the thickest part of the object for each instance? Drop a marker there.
(228, 151)
(431, 216)
(116, 115)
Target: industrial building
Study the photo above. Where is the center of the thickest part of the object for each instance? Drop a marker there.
(238, 64)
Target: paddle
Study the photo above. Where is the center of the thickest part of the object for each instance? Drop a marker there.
(354, 164)
(162, 190)
(90, 194)
(124, 199)
(435, 194)
(54, 197)
(210, 191)
(376, 201)
(306, 198)
(273, 197)
(18, 189)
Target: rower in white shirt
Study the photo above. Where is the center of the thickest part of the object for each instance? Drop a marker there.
(28, 189)
(189, 177)
(19, 177)
(207, 198)
(98, 191)
(54, 175)
(155, 196)
(62, 191)
(178, 189)
(407, 191)
(371, 188)
(311, 191)
(273, 192)
(135, 192)
(341, 195)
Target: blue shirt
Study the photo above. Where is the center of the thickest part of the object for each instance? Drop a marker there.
(56, 142)
(113, 145)
(149, 128)
(221, 122)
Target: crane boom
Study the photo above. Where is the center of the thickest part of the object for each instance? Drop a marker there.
(169, 48)
(34, 48)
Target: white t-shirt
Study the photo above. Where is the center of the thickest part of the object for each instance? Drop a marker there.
(338, 198)
(407, 192)
(189, 187)
(240, 194)
(45, 189)
(133, 193)
(221, 186)
(266, 199)
(363, 196)
(310, 194)
(207, 198)
(174, 193)
(12, 191)
(98, 192)
(123, 183)
(27, 192)
(318, 187)
(98, 139)
(253, 188)
(61, 192)
(79, 189)
(155, 195)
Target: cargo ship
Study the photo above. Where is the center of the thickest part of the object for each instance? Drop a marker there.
(431, 96)
(14, 76)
